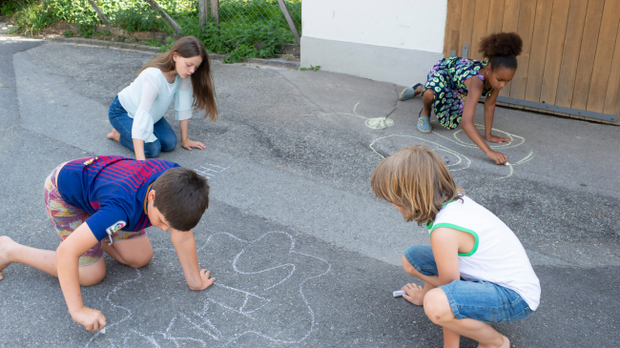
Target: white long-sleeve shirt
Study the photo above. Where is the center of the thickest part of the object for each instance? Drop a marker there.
(148, 97)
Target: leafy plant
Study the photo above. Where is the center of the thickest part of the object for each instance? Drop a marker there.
(167, 44)
(312, 67)
(8, 8)
(243, 22)
(138, 18)
(68, 33)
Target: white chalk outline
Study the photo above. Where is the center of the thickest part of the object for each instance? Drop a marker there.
(209, 172)
(216, 334)
(516, 141)
(387, 122)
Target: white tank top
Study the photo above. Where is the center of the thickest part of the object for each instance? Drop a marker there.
(497, 257)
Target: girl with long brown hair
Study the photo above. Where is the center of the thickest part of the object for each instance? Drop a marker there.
(182, 74)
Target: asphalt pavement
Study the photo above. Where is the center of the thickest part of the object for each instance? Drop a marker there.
(303, 253)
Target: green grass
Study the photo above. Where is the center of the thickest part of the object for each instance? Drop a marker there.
(243, 23)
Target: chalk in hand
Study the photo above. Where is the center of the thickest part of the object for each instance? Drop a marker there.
(102, 330)
(507, 163)
(399, 293)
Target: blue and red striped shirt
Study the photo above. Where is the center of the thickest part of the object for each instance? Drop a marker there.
(111, 189)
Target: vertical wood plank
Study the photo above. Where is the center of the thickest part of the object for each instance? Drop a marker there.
(496, 16)
(453, 24)
(203, 9)
(604, 55)
(612, 100)
(512, 10)
(456, 27)
(587, 53)
(215, 11)
(570, 56)
(527, 14)
(481, 22)
(555, 48)
(538, 52)
(467, 25)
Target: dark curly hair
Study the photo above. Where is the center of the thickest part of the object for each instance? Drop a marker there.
(502, 49)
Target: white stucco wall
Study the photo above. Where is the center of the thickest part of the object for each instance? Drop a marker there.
(362, 37)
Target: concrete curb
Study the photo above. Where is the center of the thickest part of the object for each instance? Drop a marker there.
(288, 64)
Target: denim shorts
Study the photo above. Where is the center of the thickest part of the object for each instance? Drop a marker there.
(480, 300)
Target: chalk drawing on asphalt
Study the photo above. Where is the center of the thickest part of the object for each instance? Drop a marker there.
(377, 123)
(454, 159)
(265, 280)
(209, 170)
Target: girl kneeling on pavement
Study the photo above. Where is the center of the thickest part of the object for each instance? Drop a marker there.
(475, 271)
(455, 85)
(182, 74)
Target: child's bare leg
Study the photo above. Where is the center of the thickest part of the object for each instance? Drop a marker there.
(136, 252)
(415, 293)
(437, 308)
(45, 260)
(114, 135)
(427, 101)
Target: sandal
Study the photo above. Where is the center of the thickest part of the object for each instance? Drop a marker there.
(424, 123)
(409, 93)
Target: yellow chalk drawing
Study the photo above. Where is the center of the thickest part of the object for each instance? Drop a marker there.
(372, 123)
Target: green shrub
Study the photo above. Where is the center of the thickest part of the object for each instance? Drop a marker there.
(244, 23)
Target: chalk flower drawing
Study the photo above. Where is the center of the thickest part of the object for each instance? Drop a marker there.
(259, 292)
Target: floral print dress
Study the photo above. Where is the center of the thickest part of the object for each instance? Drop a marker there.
(446, 79)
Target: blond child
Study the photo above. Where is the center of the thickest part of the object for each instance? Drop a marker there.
(476, 271)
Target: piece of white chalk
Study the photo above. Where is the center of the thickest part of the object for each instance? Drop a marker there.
(102, 330)
(507, 163)
(399, 293)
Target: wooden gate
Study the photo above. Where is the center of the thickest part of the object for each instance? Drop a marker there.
(570, 64)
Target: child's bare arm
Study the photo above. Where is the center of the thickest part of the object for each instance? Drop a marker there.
(489, 113)
(67, 261)
(185, 245)
(186, 143)
(138, 146)
(474, 86)
(445, 244)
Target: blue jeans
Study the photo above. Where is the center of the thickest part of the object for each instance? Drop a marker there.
(120, 120)
(481, 300)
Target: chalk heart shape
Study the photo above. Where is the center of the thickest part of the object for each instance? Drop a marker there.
(259, 292)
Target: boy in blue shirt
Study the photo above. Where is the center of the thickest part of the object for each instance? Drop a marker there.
(104, 204)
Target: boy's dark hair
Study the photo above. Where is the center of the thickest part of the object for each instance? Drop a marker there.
(181, 196)
(502, 49)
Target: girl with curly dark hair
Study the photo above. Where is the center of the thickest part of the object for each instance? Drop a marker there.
(455, 85)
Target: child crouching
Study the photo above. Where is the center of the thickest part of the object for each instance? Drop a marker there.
(103, 204)
(476, 271)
